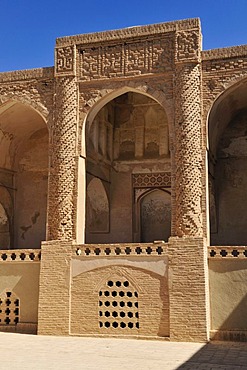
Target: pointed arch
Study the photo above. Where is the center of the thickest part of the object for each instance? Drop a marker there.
(8, 100)
(155, 215)
(97, 210)
(107, 95)
(24, 140)
(124, 127)
(227, 166)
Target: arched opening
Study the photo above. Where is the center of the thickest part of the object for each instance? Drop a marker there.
(23, 173)
(128, 135)
(155, 216)
(4, 229)
(97, 210)
(227, 132)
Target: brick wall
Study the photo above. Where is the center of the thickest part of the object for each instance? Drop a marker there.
(188, 290)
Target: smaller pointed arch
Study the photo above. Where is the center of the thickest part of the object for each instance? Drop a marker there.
(97, 214)
(155, 216)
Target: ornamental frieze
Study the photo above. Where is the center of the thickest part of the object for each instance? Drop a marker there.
(126, 59)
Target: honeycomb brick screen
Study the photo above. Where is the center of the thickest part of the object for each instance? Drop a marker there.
(9, 308)
(118, 307)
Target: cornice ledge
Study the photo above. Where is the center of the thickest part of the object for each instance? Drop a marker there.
(224, 53)
(130, 32)
(27, 74)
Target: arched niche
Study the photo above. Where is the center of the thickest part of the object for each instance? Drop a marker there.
(4, 229)
(7, 212)
(128, 135)
(97, 209)
(155, 216)
(227, 156)
(132, 126)
(24, 171)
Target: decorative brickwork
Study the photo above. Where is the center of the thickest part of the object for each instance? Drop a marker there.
(146, 180)
(61, 217)
(188, 157)
(9, 308)
(187, 46)
(130, 32)
(225, 53)
(227, 252)
(33, 88)
(126, 59)
(120, 300)
(118, 307)
(27, 74)
(65, 61)
(25, 255)
(130, 249)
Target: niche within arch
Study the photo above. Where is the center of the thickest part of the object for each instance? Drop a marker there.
(155, 216)
(128, 134)
(97, 213)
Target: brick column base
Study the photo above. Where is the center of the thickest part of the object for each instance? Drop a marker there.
(54, 288)
(188, 289)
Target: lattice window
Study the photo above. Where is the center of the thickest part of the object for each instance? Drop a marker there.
(118, 306)
(9, 308)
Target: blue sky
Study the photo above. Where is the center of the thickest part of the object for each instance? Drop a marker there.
(28, 28)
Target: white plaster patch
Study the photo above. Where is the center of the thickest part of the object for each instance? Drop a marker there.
(3, 216)
(238, 147)
(153, 264)
(8, 282)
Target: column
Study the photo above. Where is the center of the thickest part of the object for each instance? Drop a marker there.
(188, 271)
(63, 165)
(188, 137)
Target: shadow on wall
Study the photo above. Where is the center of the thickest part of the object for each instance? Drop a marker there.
(227, 356)
(237, 316)
(228, 299)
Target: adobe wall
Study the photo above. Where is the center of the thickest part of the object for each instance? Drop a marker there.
(119, 289)
(227, 282)
(124, 296)
(19, 287)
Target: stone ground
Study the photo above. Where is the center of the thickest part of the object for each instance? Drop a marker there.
(19, 351)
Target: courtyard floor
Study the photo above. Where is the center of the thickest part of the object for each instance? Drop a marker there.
(19, 351)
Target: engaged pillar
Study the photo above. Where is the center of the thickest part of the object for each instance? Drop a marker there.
(188, 272)
(63, 167)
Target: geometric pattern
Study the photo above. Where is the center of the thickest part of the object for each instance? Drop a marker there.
(147, 180)
(118, 306)
(63, 163)
(126, 58)
(188, 154)
(9, 308)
